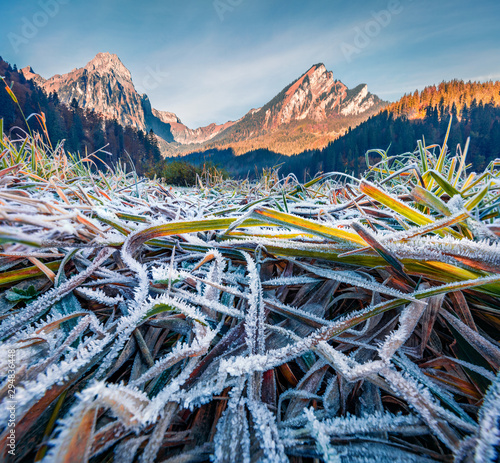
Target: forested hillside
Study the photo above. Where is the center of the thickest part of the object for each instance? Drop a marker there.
(455, 96)
(474, 109)
(387, 131)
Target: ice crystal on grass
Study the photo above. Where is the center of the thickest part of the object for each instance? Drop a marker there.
(164, 274)
(199, 346)
(28, 393)
(125, 451)
(255, 317)
(40, 305)
(100, 296)
(317, 431)
(353, 425)
(289, 281)
(249, 321)
(266, 433)
(488, 439)
(215, 276)
(446, 249)
(354, 279)
(232, 441)
(407, 322)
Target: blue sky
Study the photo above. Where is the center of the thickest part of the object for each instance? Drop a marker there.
(213, 60)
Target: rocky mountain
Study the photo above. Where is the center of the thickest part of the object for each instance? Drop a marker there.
(29, 74)
(105, 85)
(472, 107)
(316, 95)
(309, 113)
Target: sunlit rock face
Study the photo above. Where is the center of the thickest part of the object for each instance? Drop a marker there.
(316, 95)
(103, 85)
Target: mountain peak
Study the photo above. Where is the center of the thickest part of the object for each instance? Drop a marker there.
(106, 57)
(319, 67)
(30, 74)
(308, 113)
(106, 62)
(28, 69)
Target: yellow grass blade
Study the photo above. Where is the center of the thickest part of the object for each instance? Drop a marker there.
(308, 226)
(394, 204)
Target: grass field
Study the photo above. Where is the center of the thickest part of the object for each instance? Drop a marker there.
(343, 320)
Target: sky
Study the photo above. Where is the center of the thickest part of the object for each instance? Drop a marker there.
(213, 60)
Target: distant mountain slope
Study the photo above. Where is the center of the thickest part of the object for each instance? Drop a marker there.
(474, 107)
(309, 113)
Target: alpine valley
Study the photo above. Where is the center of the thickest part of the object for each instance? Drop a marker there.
(309, 113)
(315, 124)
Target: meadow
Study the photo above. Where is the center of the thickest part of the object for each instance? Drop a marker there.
(343, 319)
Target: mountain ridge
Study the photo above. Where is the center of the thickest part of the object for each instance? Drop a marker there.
(311, 111)
(121, 101)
